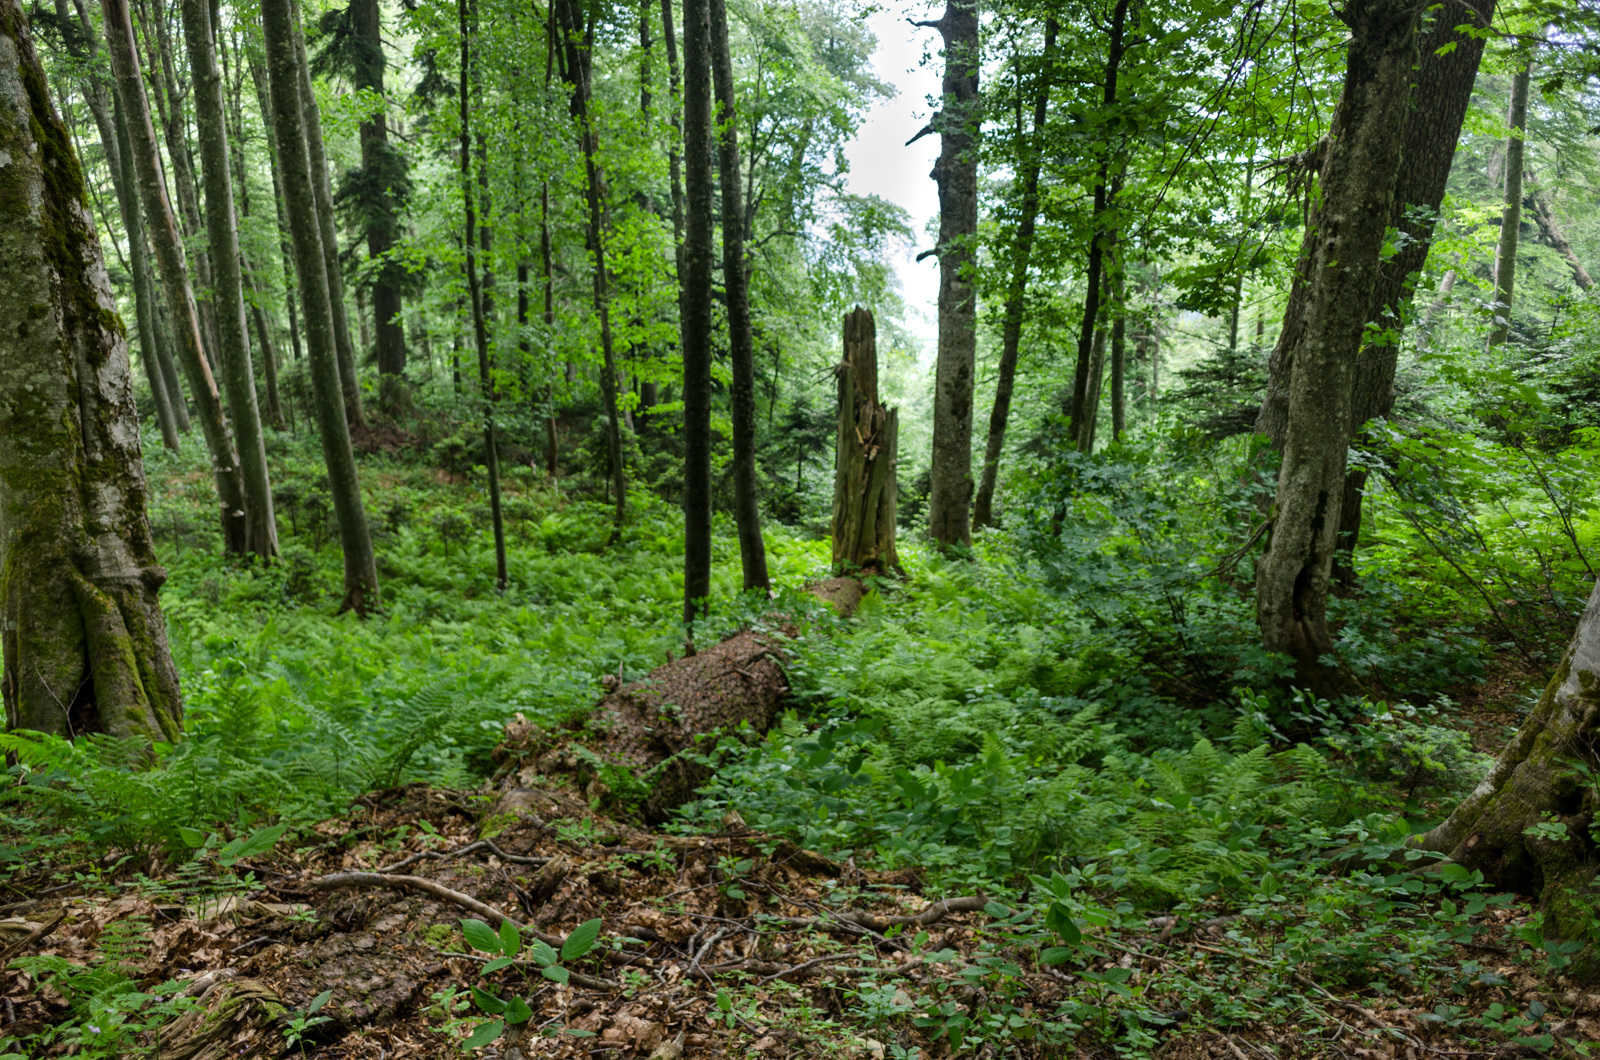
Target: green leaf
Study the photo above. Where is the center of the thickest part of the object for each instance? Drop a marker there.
(192, 836)
(996, 910)
(510, 939)
(483, 1035)
(518, 1012)
(724, 1000)
(480, 936)
(581, 941)
(318, 1001)
(1057, 954)
(556, 974)
(496, 964)
(259, 842)
(488, 1002)
(1058, 918)
(541, 954)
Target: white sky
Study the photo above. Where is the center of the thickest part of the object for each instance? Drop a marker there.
(881, 164)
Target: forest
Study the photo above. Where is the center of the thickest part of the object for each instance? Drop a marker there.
(497, 559)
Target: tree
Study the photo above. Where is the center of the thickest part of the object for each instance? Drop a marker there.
(175, 274)
(305, 231)
(956, 173)
(694, 308)
(864, 488)
(83, 642)
(1021, 250)
(741, 340)
(1505, 255)
(1340, 263)
(227, 293)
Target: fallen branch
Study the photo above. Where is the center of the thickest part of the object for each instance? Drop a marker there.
(859, 921)
(423, 885)
(442, 855)
(31, 937)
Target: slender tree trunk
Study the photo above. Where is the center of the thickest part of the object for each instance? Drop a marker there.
(741, 340)
(1505, 255)
(1091, 401)
(1357, 187)
(258, 77)
(694, 308)
(1119, 346)
(1082, 416)
(269, 351)
(578, 43)
(284, 74)
(83, 646)
(381, 166)
(169, 368)
(480, 309)
(675, 106)
(956, 173)
(1556, 238)
(227, 293)
(547, 261)
(175, 274)
(311, 118)
(1021, 252)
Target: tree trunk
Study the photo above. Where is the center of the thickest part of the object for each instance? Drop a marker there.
(547, 262)
(1357, 188)
(578, 43)
(258, 77)
(741, 340)
(175, 274)
(381, 167)
(1505, 255)
(956, 173)
(1553, 235)
(1091, 399)
(1021, 252)
(1535, 783)
(311, 118)
(675, 105)
(867, 449)
(269, 350)
(169, 369)
(82, 640)
(284, 74)
(227, 292)
(480, 310)
(694, 308)
(1119, 346)
(1081, 418)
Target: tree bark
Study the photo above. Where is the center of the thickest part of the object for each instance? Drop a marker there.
(694, 308)
(379, 166)
(1119, 347)
(169, 368)
(1021, 252)
(956, 173)
(866, 452)
(741, 339)
(82, 639)
(311, 119)
(258, 77)
(1357, 186)
(227, 292)
(578, 42)
(1082, 416)
(1553, 235)
(175, 274)
(480, 311)
(284, 68)
(547, 262)
(269, 348)
(1505, 255)
(674, 164)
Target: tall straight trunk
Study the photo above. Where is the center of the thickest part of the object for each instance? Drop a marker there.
(694, 308)
(258, 77)
(956, 173)
(83, 646)
(480, 311)
(1119, 356)
(1016, 294)
(1097, 376)
(227, 292)
(577, 40)
(741, 340)
(322, 192)
(164, 342)
(175, 274)
(674, 108)
(378, 165)
(1357, 186)
(1081, 417)
(269, 349)
(547, 262)
(647, 388)
(284, 70)
(1505, 254)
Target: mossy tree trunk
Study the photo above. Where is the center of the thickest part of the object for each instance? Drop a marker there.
(1505, 255)
(83, 643)
(741, 339)
(284, 70)
(864, 487)
(174, 273)
(1549, 775)
(227, 291)
(383, 177)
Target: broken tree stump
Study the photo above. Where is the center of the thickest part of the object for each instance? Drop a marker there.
(864, 492)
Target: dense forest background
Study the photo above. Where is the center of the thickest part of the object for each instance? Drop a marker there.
(486, 360)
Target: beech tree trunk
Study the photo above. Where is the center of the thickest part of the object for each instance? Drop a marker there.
(1505, 256)
(741, 340)
(284, 70)
(1021, 252)
(694, 308)
(867, 449)
(311, 118)
(1357, 188)
(175, 274)
(956, 173)
(227, 292)
(258, 77)
(82, 640)
(1119, 347)
(380, 166)
(1556, 238)
(1534, 783)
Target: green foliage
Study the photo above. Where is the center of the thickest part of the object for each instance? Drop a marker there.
(506, 944)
